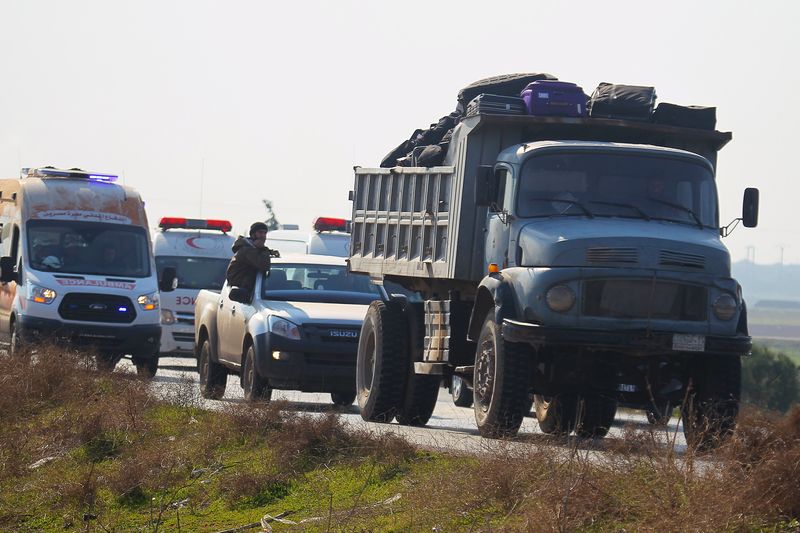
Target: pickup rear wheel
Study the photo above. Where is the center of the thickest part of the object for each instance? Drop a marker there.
(343, 399)
(460, 392)
(213, 376)
(556, 414)
(256, 388)
(380, 370)
(596, 416)
(500, 384)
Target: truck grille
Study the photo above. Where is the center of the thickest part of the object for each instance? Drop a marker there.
(681, 259)
(644, 299)
(611, 255)
(88, 307)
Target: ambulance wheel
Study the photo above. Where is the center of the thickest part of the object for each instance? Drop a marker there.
(14, 344)
(146, 368)
(213, 376)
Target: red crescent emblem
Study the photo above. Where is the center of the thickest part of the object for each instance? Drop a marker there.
(190, 242)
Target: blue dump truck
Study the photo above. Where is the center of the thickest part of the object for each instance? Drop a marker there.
(577, 261)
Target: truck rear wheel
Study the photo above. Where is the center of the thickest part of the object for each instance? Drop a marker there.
(256, 388)
(556, 414)
(421, 391)
(460, 392)
(712, 405)
(380, 363)
(596, 414)
(500, 384)
(213, 376)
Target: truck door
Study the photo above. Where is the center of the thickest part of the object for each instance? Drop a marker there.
(497, 223)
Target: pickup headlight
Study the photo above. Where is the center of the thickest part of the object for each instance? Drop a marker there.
(41, 295)
(284, 328)
(560, 298)
(725, 307)
(167, 317)
(148, 302)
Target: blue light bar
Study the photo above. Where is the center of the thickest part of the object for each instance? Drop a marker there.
(108, 178)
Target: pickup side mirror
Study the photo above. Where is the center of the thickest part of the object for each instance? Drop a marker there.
(7, 273)
(750, 208)
(169, 280)
(240, 295)
(484, 185)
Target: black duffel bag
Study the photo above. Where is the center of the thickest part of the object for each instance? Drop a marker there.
(691, 116)
(504, 85)
(623, 102)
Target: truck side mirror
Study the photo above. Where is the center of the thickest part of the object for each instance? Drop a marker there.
(7, 273)
(484, 185)
(169, 280)
(750, 208)
(239, 295)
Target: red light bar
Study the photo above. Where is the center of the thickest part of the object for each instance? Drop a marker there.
(331, 224)
(194, 223)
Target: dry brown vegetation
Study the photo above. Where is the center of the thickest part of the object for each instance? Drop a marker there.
(110, 456)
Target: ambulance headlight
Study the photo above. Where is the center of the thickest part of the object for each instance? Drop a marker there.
(148, 302)
(167, 317)
(284, 328)
(41, 295)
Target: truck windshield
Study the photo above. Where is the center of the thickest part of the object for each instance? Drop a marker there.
(618, 185)
(195, 272)
(88, 248)
(317, 283)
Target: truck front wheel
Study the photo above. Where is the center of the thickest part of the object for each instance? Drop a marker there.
(500, 385)
(213, 376)
(380, 363)
(709, 414)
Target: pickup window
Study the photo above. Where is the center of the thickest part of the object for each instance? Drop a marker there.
(618, 185)
(317, 283)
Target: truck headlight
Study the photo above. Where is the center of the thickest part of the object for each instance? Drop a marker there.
(148, 302)
(41, 295)
(284, 328)
(167, 317)
(725, 307)
(560, 298)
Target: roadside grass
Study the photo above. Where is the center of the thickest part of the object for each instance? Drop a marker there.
(83, 449)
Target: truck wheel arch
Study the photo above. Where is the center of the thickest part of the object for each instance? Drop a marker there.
(494, 292)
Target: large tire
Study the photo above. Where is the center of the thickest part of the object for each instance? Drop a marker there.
(712, 405)
(380, 363)
(256, 388)
(106, 362)
(500, 385)
(146, 367)
(14, 346)
(596, 414)
(213, 376)
(556, 414)
(343, 399)
(420, 391)
(460, 392)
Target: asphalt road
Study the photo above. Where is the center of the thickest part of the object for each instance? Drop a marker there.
(450, 428)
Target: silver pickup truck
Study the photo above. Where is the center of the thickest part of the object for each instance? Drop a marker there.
(298, 330)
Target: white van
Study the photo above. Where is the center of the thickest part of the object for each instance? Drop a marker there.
(331, 236)
(199, 250)
(77, 265)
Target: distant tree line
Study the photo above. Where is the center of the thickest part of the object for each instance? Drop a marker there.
(770, 379)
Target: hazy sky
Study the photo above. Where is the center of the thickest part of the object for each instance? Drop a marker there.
(208, 107)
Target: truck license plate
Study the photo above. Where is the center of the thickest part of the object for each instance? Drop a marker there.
(682, 342)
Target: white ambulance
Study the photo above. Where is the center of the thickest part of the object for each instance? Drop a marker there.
(331, 236)
(77, 266)
(199, 250)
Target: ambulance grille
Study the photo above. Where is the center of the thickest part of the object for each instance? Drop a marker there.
(87, 307)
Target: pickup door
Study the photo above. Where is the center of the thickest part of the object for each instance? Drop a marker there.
(232, 320)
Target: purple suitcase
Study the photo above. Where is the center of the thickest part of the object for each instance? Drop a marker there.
(554, 98)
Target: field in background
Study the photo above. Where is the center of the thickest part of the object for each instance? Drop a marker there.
(778, 329)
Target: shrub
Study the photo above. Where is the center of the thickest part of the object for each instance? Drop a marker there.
(770, 379)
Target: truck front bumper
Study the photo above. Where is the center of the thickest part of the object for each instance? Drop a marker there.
(141, 341)
(306, 365)
(632, 342)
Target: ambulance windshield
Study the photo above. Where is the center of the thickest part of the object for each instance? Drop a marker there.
(89, 248)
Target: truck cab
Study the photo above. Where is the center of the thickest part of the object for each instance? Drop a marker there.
(199, 251)
(77, 266)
